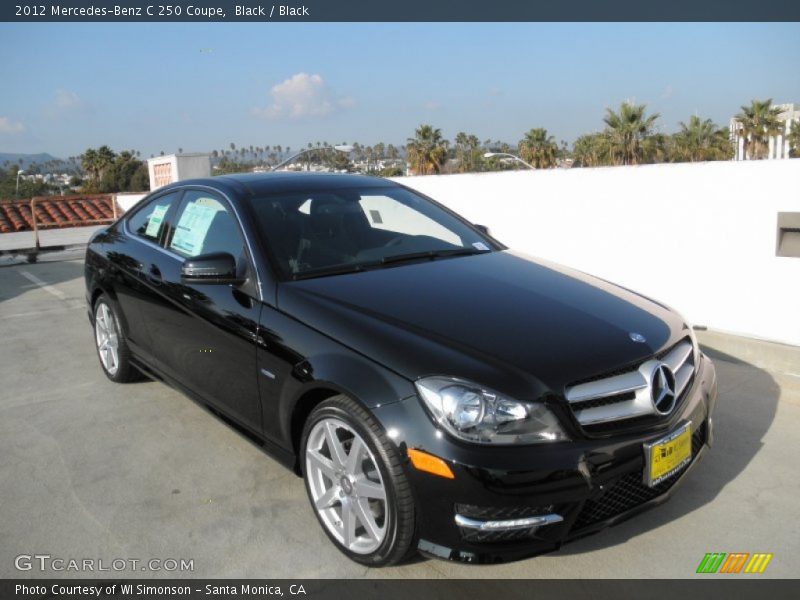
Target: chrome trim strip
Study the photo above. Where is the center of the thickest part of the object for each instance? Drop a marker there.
(612, 412)
(611, 386)
(678, 356)
(682, 378)
(510, 524)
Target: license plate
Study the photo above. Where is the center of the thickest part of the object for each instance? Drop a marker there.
(667, 456)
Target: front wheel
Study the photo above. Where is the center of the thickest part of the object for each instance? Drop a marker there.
(356, 484)
(112, 349)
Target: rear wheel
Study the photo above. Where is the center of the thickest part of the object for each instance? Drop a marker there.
(112, 349)
(356, 485)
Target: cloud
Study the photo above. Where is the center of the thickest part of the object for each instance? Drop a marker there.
(432, 105)
(668, 92)
(66, 102)
(495, 92)
(9, 127)
(303, 96)
(67, 99)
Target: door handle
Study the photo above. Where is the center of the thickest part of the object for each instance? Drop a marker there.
(154, 275)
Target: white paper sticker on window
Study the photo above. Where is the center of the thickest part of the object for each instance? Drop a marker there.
(480, 246)
(190, 233)
(155, 220)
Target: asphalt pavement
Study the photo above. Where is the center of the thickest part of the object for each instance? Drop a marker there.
(94, 470)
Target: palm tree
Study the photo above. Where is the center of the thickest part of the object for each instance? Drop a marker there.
(538, 148)
(591, 150)
(467, 152)
(427, 150)
(631, 135)
(794, 139)
(700, 140)
(756, 123)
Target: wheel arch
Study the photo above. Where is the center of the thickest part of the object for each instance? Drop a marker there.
(363, 381)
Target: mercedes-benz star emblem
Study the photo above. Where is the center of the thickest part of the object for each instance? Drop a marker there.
(663, 389)
(637, 337)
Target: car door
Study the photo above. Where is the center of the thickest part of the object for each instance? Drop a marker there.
(204, 335)
(130, 261)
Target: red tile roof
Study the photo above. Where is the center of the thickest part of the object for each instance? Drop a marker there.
(56, 212)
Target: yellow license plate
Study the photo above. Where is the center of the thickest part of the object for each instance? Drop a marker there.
(668, 455)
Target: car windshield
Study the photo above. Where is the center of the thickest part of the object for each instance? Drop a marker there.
(345, 230)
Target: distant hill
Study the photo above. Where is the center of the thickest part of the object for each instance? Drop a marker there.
(27, 159)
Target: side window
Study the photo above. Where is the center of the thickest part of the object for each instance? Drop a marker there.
(203, 225)
(148, 222)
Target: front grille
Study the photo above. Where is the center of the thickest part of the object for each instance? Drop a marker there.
(498, 513)
(488, 537)
(621, 397)
(603, 401)
(629, 491)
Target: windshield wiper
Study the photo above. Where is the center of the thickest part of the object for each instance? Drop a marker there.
(337, 270)
(431, 254)
(388, 260)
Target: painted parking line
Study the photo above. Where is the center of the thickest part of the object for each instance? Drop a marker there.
(44, 285)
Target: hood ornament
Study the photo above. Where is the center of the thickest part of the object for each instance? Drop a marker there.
(637, 337)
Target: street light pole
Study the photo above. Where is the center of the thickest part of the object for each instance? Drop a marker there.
(346, 148)
(509, 155)
(20, 172)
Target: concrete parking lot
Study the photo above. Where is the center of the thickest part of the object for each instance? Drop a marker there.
(91, 469)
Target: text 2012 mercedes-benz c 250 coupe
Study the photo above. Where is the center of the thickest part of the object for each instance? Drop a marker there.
(438, 392)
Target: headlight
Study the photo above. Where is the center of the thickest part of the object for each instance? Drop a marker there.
(475, 414)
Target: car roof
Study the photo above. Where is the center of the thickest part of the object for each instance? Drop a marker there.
(258, 184)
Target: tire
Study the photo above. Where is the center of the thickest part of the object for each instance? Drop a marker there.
(112, 349)
(345, 489)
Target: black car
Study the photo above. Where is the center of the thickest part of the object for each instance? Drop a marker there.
(438, 392)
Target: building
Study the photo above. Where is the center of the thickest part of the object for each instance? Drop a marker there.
(168, 169)
(778, 144)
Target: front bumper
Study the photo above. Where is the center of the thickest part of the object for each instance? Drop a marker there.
(562, 491)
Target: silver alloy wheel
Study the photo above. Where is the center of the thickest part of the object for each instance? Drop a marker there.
(346, 486)
(105, 334)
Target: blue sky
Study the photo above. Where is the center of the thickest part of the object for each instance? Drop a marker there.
(154, 87)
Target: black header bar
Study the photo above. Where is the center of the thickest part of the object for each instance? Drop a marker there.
(398, 11)
(711, 588)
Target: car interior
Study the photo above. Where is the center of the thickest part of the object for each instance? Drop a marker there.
(314, 231)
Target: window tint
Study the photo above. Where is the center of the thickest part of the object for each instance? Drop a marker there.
(148, 221)
(204, 225)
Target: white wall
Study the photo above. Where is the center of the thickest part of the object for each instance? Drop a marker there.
(699, 237)
(126, 200)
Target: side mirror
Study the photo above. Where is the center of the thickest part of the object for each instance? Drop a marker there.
(216, 267)
(482, 228)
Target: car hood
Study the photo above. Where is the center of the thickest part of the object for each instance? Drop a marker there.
(497, 318)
